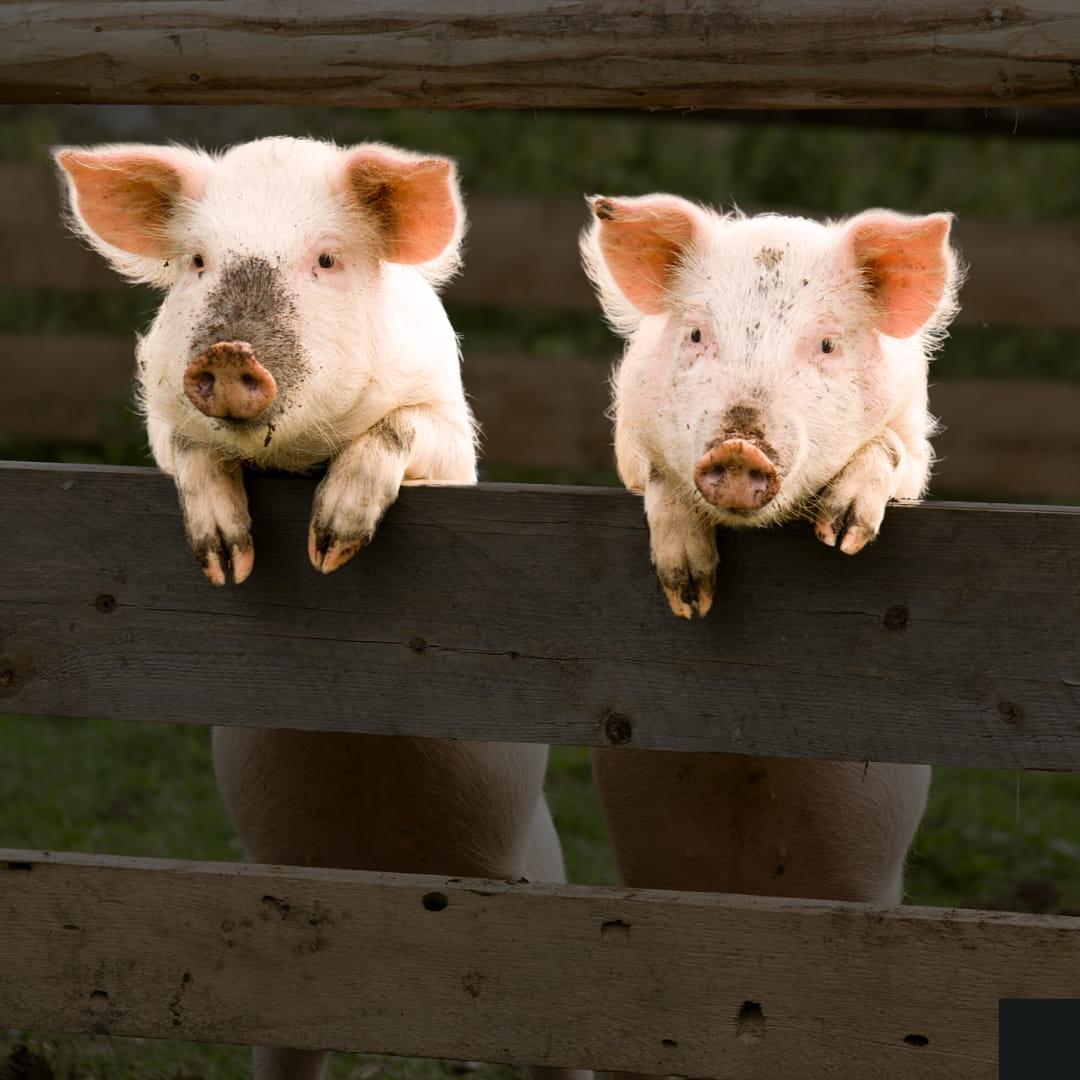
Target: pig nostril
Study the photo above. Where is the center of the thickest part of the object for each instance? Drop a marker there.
(249, 381)
(757, 477)
(205, 383)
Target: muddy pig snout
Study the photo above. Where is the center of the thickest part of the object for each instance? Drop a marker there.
(226, 381)
(737, 475)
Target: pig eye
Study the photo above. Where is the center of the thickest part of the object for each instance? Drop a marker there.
(828, 345)
(695, 336)
(326, 261)
(198, 262)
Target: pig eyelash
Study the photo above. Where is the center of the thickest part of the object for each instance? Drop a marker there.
(327, 261)
(828, 345)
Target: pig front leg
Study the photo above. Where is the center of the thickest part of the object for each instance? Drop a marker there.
(215, 509)
(363, 481)
(683, 547)
(851, 507)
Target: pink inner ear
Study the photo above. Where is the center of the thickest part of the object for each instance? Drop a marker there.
(413, 202)
(127, 198)
(907, 265)
(642, 241)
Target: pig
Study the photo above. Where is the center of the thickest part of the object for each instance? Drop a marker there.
(301, 324)
(775, 368)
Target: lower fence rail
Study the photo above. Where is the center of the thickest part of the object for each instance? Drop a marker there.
(730, 987)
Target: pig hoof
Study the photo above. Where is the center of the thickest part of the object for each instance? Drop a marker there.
(243, 561)
(825, 532)
(216, 559)
(845, 532)
(856, 537)
(687, 592)
(329, 552)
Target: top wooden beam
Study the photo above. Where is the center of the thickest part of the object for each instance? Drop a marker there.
(552, 54)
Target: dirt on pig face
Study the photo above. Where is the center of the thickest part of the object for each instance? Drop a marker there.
(252, 303)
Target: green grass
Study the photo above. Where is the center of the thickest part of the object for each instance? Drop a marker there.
(144, 789)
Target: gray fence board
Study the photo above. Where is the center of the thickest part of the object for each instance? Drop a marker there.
(530, 613)
(1021, 273)
(528, 54)
(642, 981)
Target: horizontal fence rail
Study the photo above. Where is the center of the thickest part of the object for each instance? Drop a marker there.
(530, 614)
(731, 987)
(1009, 439)
(1020, 273)
(529, 54)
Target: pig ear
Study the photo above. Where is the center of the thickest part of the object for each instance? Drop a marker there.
(641, 242)
(123, 199)
(908, 265)
(414, 201)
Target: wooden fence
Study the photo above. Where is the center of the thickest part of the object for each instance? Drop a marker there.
(1002, 438)
(950, 641)
(526, 613)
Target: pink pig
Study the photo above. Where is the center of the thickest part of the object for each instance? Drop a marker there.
(301, 324)
(775, 368)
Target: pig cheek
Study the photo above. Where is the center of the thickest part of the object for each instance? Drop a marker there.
(691, 414)
(872, 380)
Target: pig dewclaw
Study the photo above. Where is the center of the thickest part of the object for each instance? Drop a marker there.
(775, 368)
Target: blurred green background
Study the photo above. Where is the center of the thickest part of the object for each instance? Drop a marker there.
(990, 839)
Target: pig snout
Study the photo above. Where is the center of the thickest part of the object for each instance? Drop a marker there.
(227, 382)
(735, 474)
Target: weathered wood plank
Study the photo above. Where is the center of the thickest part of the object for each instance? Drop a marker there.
(737, 988)
(1002, 439)
(530, 613)
(1021, 273)
(530, 54)
(1008, 440)
(59, 387)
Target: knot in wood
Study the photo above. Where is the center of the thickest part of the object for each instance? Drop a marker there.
(618, 728)
(896, 617)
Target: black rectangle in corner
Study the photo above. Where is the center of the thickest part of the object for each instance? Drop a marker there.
(1039, 1039)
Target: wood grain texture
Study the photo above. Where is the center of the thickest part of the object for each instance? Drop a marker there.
(530, 614)
(563, 976)
(1021, 273)
(529, 54)
(1002, 439)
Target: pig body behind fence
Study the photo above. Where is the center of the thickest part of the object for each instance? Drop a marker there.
(300, 325)
(775, 368)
